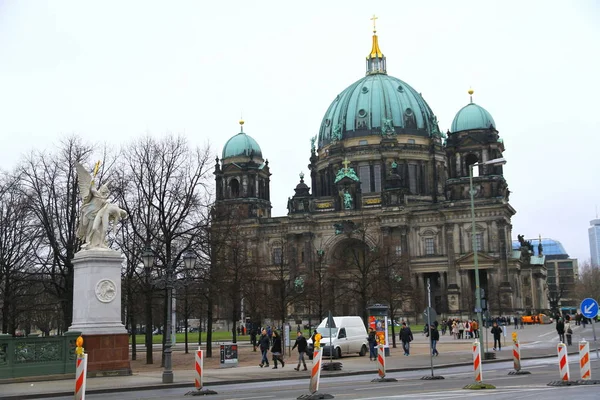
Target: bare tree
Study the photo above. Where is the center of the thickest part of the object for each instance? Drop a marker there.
(164, 190)
(356, 264)
(392, 279)
(589, 281)
(49, 180)
(20, 238)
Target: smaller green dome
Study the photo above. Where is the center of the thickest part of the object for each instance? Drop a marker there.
(471, 117)
(242, 145)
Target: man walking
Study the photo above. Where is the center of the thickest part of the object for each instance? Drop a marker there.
(302, 344)
(406, 337)
(263, 344)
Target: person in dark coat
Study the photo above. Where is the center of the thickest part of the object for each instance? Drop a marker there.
(263, 344)
(253, 338)
(372, 339)
(496, 331)
(406, 337)
(560, 328)
(434, 336)
(301, 343)
(276, 349)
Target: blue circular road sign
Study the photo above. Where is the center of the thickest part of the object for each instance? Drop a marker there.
(589, 308)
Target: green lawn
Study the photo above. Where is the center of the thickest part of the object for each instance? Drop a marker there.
(219, 336)
(223, 336)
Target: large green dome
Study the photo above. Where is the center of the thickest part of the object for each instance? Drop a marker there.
(376, 104)
(471, 117)
(242, 145)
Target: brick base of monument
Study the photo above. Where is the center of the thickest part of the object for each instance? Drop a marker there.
(108, 354)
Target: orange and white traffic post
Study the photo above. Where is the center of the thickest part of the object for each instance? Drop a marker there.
(315, 373)
(584, 361)
(199, 376)
(516, 352)
(80, 370)
(199, 367)
(563, 362)
(477, 362)
(381, 361)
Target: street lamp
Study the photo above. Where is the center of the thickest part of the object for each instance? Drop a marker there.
(166, 281)
(148, 261)
(496, 161)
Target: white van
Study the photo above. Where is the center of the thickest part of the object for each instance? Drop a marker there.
(349, 336)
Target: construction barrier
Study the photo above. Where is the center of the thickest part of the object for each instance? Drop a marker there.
(199, 369)
(381, 361)
(315, 373)
(80, 370)
(584, 361)
(563, 362)
(477, 362)
(517, 356)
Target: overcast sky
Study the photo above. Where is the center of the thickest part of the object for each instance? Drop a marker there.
(115, 70)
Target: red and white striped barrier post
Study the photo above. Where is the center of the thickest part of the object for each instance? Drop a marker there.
(477, 362)
(199, 367)
(80, 370)
(381, 361)
(584, 361)
(315, 373)
(517, 355)
(563, 362)
(199, 377)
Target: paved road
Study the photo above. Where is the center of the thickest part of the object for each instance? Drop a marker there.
(409, 386)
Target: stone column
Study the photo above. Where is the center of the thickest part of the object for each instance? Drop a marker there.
(453, 290)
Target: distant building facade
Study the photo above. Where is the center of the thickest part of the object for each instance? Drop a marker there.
(562, 272)
(594, 233)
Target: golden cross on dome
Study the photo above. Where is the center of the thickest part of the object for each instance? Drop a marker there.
(346, 162)
(374, 19)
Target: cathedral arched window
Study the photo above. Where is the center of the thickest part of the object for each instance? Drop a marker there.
(234, 188)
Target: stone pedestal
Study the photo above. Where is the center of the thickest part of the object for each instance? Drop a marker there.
(97, 310)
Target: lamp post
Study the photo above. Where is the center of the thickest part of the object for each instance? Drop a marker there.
(148, 261)
(496, 161)
(167, 281)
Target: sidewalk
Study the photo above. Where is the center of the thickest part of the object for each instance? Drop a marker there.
(452, 353)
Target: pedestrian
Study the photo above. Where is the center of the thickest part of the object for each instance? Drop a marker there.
(455, 330)
(560, 328)
(301, 343)
(568, 332)
(406, 336)
(263, 344)
(276, 350)
(475, 327)
(372, 339)
(253, 338)
(461, 329)
(434, 337)
(496, 331)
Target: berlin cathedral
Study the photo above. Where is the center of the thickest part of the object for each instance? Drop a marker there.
(387, 188)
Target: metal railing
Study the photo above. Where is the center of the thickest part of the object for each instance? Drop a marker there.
(37, 356)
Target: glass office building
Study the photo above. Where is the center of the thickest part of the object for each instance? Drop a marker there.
(594, 232)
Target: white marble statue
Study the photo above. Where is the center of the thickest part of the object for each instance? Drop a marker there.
(96, 211)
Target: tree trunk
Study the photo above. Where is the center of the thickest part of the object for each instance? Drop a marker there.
(209, 318)
(149, 359)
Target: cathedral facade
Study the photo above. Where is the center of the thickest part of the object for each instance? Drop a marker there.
(386, 188)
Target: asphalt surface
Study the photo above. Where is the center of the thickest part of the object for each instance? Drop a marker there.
(538, 345)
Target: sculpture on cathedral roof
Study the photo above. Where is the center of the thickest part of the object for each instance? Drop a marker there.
(346, 172)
